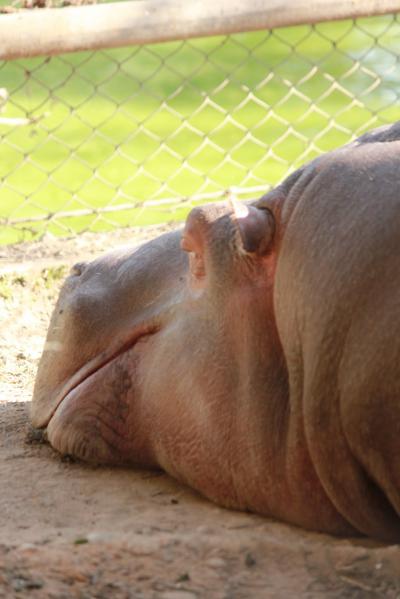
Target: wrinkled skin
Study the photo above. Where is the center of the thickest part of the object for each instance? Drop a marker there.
(255, 356)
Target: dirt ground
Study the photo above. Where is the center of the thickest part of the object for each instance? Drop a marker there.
(72, 530)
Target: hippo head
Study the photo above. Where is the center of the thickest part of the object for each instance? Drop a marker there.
(148, 349)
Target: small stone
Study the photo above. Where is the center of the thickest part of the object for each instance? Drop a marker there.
(249, 560)
(100, 537)
(68, 459)
(178, 595)
(215, 562)
(183, 577)
(34, 584)
(205, 530)
(28, 547)
(36, 435)
(21, 583)
(81, 541)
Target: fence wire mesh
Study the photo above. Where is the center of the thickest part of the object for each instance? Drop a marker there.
(139, 135)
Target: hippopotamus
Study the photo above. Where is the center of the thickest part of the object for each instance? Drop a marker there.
(254, 355)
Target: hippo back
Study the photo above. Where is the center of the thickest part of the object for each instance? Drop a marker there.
(337, 302)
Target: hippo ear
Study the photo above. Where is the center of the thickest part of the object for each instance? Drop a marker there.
(256, 227)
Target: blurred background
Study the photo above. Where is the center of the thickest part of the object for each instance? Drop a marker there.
(135, 136)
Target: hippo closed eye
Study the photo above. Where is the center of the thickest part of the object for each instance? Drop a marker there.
(253, 356)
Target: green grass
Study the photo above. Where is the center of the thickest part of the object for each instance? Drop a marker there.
(138, 124)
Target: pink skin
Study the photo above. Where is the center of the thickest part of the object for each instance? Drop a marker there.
(231, 356)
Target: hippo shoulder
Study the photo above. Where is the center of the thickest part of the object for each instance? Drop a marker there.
(337, 301)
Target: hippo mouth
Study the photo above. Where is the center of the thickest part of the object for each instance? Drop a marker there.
(98, 363)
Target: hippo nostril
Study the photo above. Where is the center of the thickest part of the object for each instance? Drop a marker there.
(78, 268)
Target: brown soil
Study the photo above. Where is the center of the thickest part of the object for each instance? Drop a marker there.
(71, 530)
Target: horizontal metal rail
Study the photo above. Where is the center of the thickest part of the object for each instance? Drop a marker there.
(48, 31)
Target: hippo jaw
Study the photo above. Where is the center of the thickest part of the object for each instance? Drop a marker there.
(91, 419)
(95, 365)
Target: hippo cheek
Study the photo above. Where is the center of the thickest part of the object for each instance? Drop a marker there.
(102, 419)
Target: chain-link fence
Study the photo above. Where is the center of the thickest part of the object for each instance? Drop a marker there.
(138, 135)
